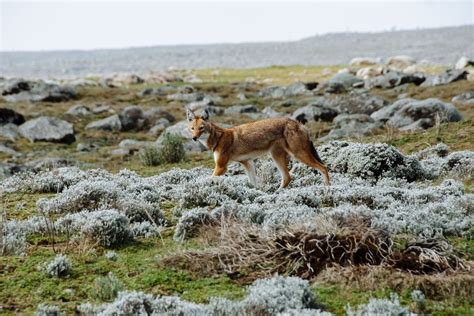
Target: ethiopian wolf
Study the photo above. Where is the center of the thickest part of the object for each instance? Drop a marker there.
(279, 137)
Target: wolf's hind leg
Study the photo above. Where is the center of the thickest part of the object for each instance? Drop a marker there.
(280, 157)
(307, 157)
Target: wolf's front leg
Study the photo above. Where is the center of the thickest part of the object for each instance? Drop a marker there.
(221, 164)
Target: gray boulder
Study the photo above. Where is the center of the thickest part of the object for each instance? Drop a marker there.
(111, 123)
(160, 91)
(352, 125)
(269, 112)
(393, 79)
(9, 131)
(132, 118)
(466, 98)
(352, 103)
(450, 75)
(297, 88)
(79, 110)
(415, 114)
(240, 109)
(274, 92)
(187, 97)
(159, 126)
(156, 115)
(206, 103)
(345, 79)
(314, 111)
(25, 90)
(101, 108)
(9, 116)
(48, 129)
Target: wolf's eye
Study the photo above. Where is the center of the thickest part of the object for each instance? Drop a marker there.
(201, 128)
(192, 128)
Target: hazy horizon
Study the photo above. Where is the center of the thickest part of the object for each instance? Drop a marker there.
(83, 26)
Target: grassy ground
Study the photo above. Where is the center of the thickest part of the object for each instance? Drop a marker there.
(22, 286)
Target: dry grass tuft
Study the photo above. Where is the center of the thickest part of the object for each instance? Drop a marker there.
(237, 249)
(449, 284)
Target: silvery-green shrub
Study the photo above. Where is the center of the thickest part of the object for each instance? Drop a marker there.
(105, 227)
(48, 310)
(419, 298)
(107, 287)
(111, 255)
(151, 156)
(145, 229)
(370, 161)
(59, 267)
(130, 303)
(190, 222)
(279, 294)
(375, 306)
(275, 296)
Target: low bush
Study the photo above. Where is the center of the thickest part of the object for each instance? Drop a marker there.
(59, 267)
(105, 228)
(387, 307)
(107, 287)
(171, 151)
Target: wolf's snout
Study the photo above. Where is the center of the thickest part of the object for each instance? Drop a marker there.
(195, 138)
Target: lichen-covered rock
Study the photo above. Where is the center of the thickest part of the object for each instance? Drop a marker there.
(450, 75)
(314, 112)
(79, 110)
(370, 161)
(16, 90)
(352, 125)
(48, 129)
(132, 118)
(411, 114)
(347, 80)
(392, 79)
(466, 98)
(111, 123)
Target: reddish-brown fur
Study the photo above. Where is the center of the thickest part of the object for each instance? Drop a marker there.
(279, 137)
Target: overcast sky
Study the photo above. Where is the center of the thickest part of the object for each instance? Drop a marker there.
(90, 25)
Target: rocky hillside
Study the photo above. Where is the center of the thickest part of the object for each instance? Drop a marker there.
(441, 46)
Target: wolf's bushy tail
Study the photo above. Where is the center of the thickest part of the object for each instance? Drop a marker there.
(314, 152)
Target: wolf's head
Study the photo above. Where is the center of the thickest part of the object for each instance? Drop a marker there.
(198, 124)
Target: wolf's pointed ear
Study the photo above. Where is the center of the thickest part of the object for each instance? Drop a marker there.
(190, 114)
(205, 115)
